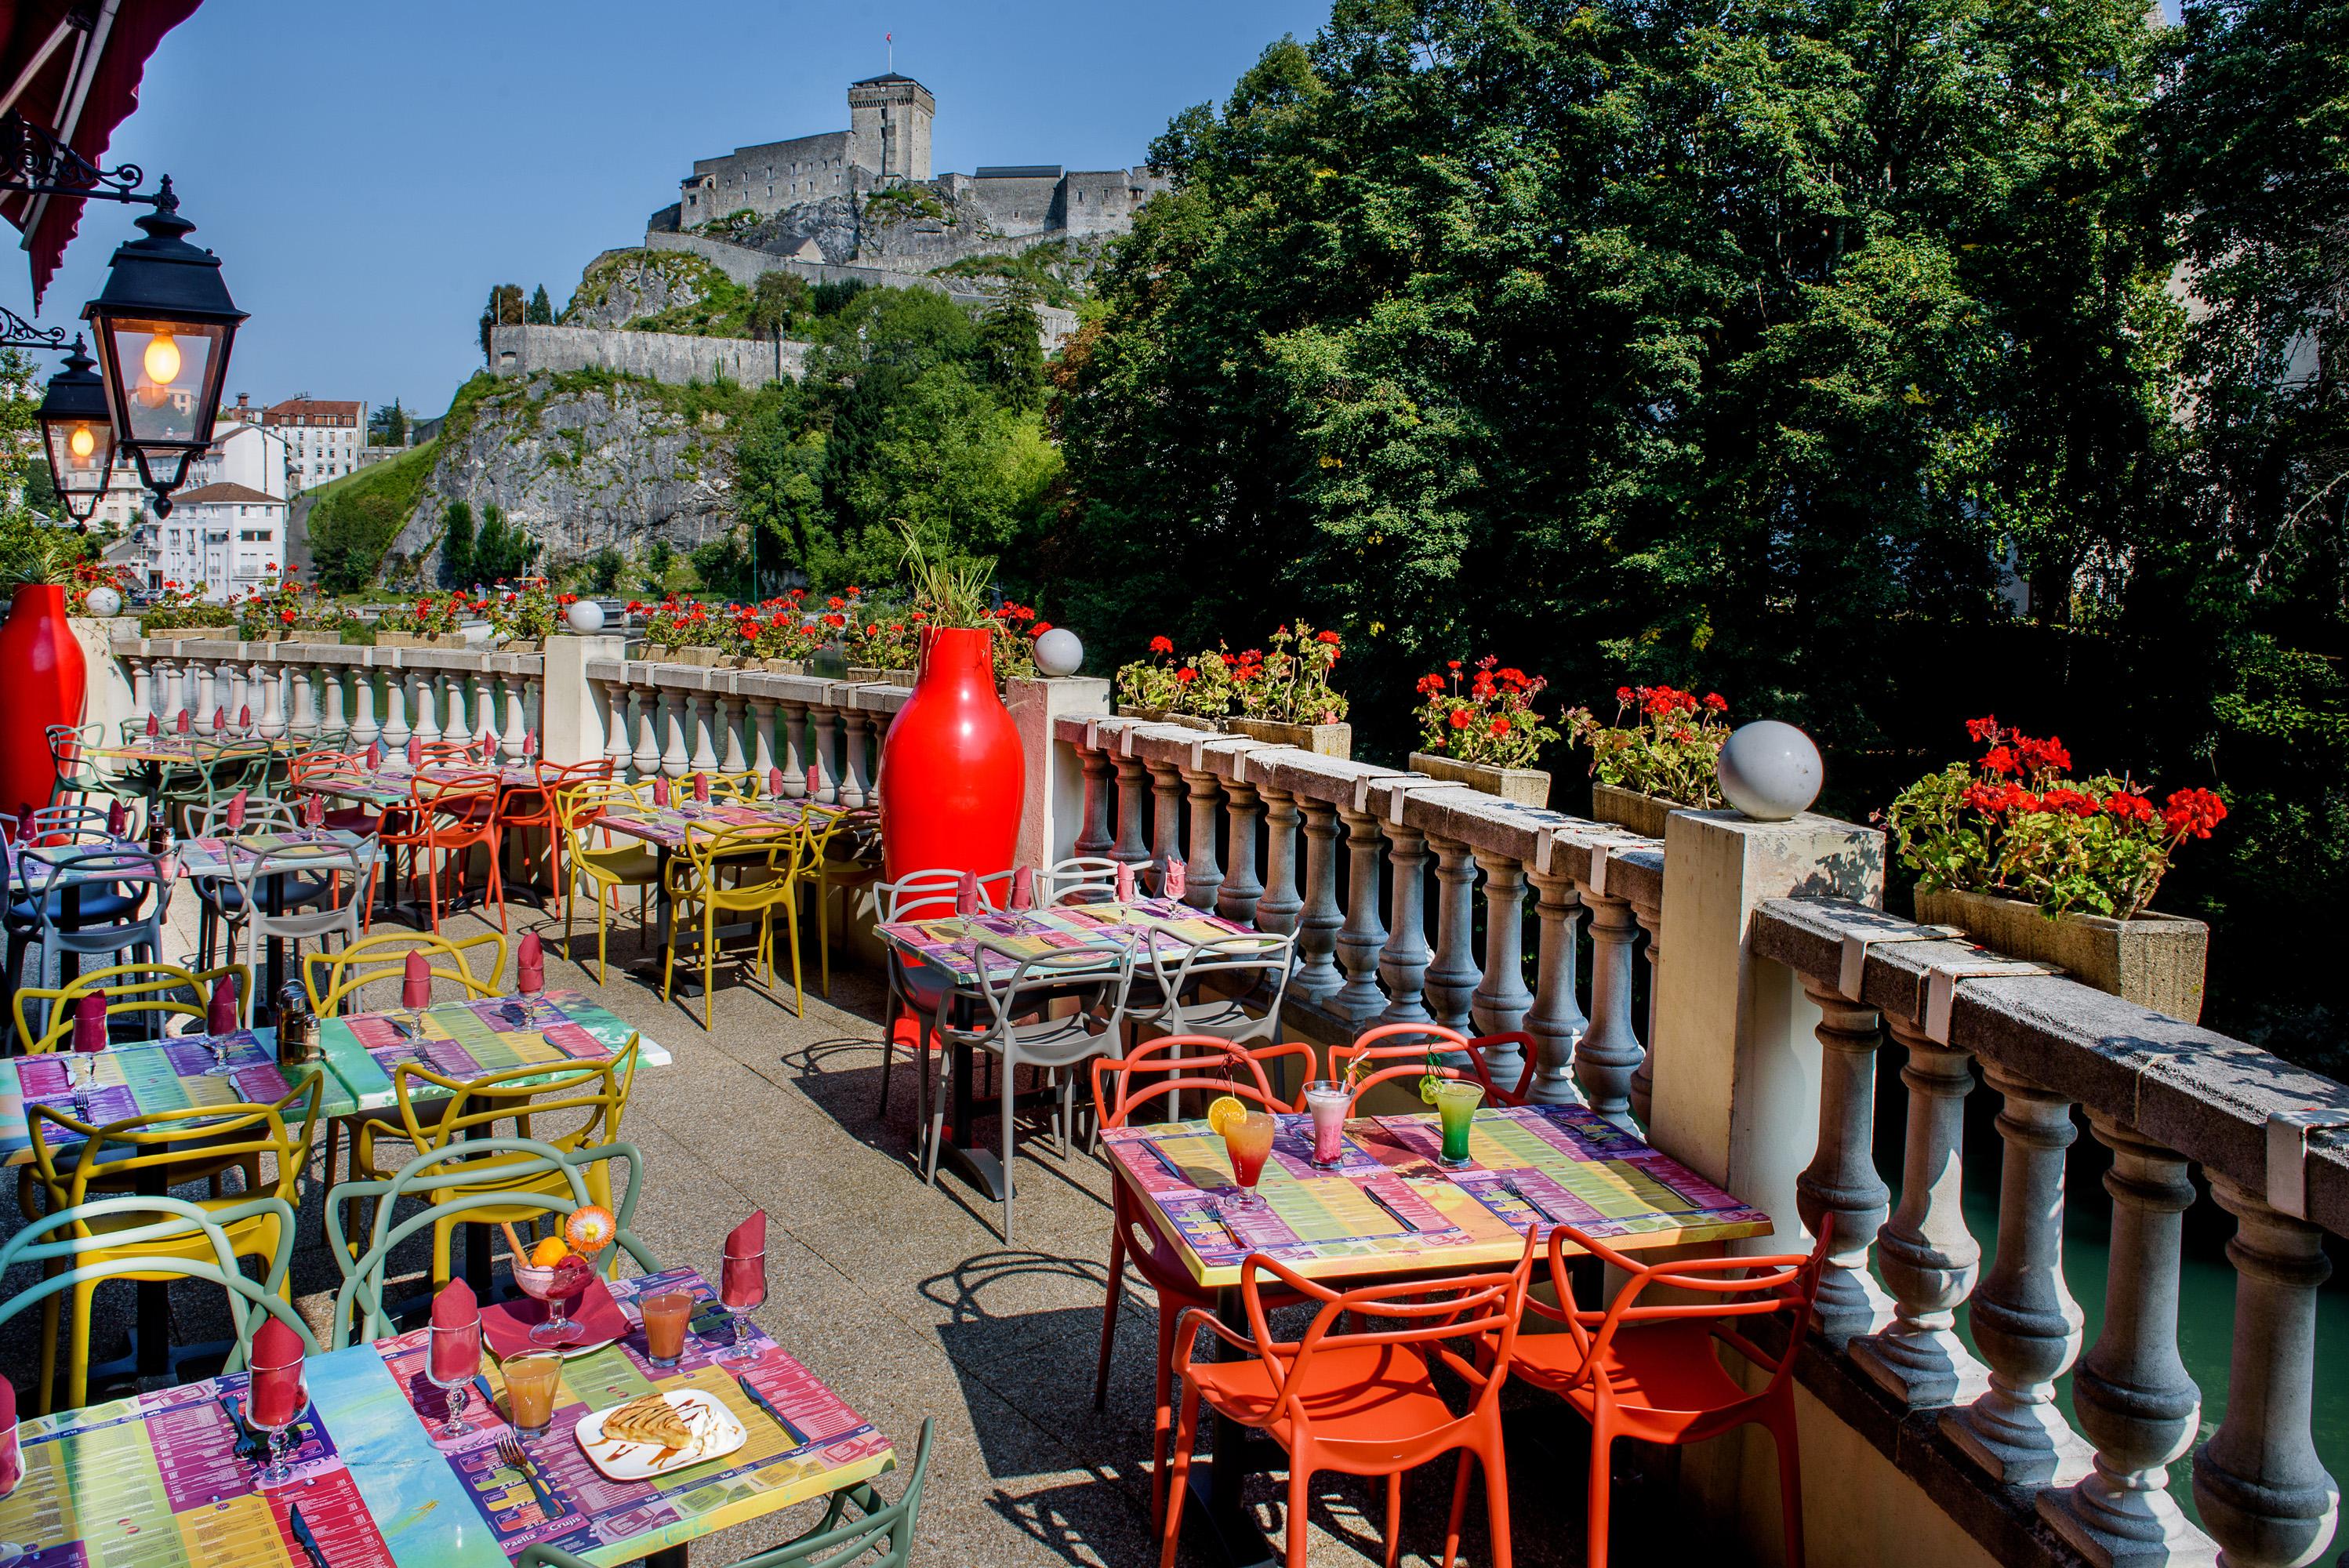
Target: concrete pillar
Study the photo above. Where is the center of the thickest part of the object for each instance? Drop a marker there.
(1643, 1077)
(1501, 1001)
(1166, 793)
(1202, 876)
(572, 715)
(1053, 779)
(1840, 1184)
(1556, 1019)
(1238, 899)
(1403, 960)
(1094, 837)
(1609, 1051)
(1452, 978)
(1319, 920)
(1132, 799)
(1363, 937)
(1278, 908)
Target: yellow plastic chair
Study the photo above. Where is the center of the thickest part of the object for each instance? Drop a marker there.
(201, 1143)
(586, 1100)
(630, 862)
(385, 957)
(738, 871)
(828, 831)
(161, 989)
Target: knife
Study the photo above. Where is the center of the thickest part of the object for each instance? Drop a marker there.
(303, 1538)
(1400, 1217)
(799, 1439)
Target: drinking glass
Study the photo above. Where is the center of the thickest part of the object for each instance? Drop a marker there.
(1247, 1139)
(742, 1288)
(530, 1379)
(664, 1316)
(1455, 1108)
(1327, 1098)
(559, 1285)
(451, 1362)
(274, 1401)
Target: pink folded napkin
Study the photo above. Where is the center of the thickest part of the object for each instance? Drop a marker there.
(245, 717)
(774, 783)
(313, 810)
(154, 725)
(1125, 881)
(742, 1276)
(1023, 888)
(414, 752)
(966, 893)
(89, 1023)
(236, 813)
(12, 1457)
(219, 1015)
(660, 789)
(814, 779)
(416, 983)
(220, 719)
(114, 818)
(181, 724)
(1174, 878)
(455, 1355)
(701, 789)
(529, 964)
(274, 1398)
(374, 755)
(530, 743)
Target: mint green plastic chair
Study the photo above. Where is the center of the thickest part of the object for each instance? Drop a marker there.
(452, 1169)
(837, 1541)
(121, 1227)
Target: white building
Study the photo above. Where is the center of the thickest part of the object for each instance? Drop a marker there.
(228, 523)
(324, 437)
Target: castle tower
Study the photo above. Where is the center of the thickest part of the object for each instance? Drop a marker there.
(889, 125)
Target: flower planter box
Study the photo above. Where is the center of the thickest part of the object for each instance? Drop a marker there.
(867, 674)
(1520, 786)
(1643, 814)
(1188, 720)
(419, 639)
(706, 659)
(268, 637)
(1321, 739)
(522, 645)
(777, 666)
(2154, 959)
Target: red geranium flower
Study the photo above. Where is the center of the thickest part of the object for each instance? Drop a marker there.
(1186, 674)
(1500, 724)
(1162, 645)
(2193, 813)
(2000, 761)
(1715, 701)
(1328, 637)
(1982, 729)
(1461, 719)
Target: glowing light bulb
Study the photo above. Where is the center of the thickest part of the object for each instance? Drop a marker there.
(81, 443)
(162, 359)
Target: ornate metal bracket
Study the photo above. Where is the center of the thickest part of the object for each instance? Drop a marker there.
(34, 162)
(15, 332)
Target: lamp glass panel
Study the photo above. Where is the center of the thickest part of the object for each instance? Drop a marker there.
(80, 453)
(165, 369)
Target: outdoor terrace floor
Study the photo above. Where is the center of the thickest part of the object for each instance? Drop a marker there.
(903, 1298)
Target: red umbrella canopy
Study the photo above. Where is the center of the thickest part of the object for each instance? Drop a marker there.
(71, 70)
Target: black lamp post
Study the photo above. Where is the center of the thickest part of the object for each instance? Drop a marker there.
(163, 325)
(79, 438)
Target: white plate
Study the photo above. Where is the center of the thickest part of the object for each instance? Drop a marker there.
(717, 1433)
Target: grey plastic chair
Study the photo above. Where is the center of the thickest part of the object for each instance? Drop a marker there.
(1173, 975)
(912, 989)
(1080, 879)
(107, 886)
(313, 916)
(223, 898)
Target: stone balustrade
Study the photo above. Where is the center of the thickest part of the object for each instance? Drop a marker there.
(1983, 1432)
(331, 694)
(674, 719)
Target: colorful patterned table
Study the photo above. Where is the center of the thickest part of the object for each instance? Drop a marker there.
(319, 849)
(951, 946)
(665, 826)
(143, 1079)
(466, 1039)
(393, 782)
(153, 1481)
(174, 750)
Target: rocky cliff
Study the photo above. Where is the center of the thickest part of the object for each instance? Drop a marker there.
(621, 286)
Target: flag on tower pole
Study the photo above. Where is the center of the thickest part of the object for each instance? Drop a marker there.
(891, 40)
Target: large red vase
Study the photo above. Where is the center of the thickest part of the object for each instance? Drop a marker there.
(951, 771)
(41, 670)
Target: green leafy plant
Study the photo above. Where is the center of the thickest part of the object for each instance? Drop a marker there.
(952, 589)
(1150, 683)
(2015, 824)
(532, 611)
(1291, 685)
(1491, 721)
(432, 616)
(1670, 747)
(181, 605)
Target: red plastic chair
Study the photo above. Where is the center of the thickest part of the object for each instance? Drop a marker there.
(1164, 1068)
(1409, 1049)
(1364, 1403)
(453, 817)
(530, 808)
(1649, 1374)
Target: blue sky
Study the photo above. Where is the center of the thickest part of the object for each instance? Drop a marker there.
(368, 171)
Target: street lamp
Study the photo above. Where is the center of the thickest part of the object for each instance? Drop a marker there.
(163, 325)
(80, 439)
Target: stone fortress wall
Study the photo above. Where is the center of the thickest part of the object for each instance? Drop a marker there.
(667, 356)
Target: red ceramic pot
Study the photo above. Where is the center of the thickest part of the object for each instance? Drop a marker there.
(951, 770)
(41, 671)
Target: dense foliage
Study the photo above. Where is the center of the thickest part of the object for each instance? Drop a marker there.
(1823, 354)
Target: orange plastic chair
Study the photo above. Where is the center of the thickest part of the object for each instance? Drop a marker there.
(1364, 1403)
(1164, 1070)
(304, 774)
(1409, 1050)
(1649, 1374)
(453, 817)
(531, 808)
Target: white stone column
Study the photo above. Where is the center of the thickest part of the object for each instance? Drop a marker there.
(1928, 1257)
(1362, 938)
(795, 750)
(1236, 900)
(142, 687)
(1451, 984)
(762, 738)
(394, 708)
(229, 680)
(1555, 1020)
(677, 714)
(1280, 904)
(515, 731)
(1166, 792)
(1317, 925)
(1840, 1184)
(2024, 1321)
(1132, 799)
(1403, 958)
(735, 756)
(1202, 877)
(303, 722)
(825, 720)
(652, 726)
(1608, 1053)
(485, 705)
(855, 781)
(455, 726)
(424, 723)
(1093, 835)
(618, 738)
(364, 730)
(705, 733)
(273, 703)
(332, 723)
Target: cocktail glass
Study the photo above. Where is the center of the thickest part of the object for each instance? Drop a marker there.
(1247, 1139)
(452, 1361)
(560, 1286)
(1456, 1110)
(742, 1288)
(274, 1399)
(1327, 1098)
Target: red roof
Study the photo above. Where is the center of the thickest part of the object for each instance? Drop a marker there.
(313, 410)
(78, 86)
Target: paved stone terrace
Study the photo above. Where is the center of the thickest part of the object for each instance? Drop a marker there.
(904, 1300)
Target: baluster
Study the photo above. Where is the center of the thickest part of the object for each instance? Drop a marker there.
(1363, 935)
(142, 687)
(1167, 830)
(735, 758)
(1402, 961)
(167, 703)
(856, 784)
(1927, 1258)
(486, 708)
(1202, 876)
(1840, 1182)
(1277, 908)
(827, 722)
(705, 732)
(1556, 1019)
(1643, 1077)
(273, 703)
(198, 700)
(229, 684)
(1501, 1001)
(1093, 835)
(394, 708)
(618, 750)
(534, 706)
(514, 733)
(1606, 1056)
(364, 730)
(1133, 794)
(2264, 1495)
(1241, 892)
(421, 722)
(2023, 1319)
(334, 723)
(677, 713)
(795, 750)
(1317, 925)
(2136, 1404)
(1451, 983)
(304, 722)
(454, 724)
(763, 738)
(651, 725)
(880, 723)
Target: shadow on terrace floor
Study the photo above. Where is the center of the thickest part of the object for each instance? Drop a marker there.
(904, 1299)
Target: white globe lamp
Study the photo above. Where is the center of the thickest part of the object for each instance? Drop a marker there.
(1059, 652)
(586, 616)
(105, 601)
(1770, 772)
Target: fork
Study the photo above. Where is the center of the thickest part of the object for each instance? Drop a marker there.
(511, 1454)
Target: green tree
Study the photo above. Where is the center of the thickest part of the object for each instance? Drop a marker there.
(659, 561)
(604, 569)
(775, 301)
(1010, 349)
(540, 312)
(503, 550)
(349, 533)
(504, 309)
(458, 547)
(387, 425)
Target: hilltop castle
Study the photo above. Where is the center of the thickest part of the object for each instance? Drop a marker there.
(782, 190)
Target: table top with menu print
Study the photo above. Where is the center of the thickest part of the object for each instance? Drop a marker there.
(1387, 1207)
(817, 1446)
(319, 849)
(667, 826)
(171, 749)
(467, 1039)
(951, 944)
(394, 780)
(141, 1078)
